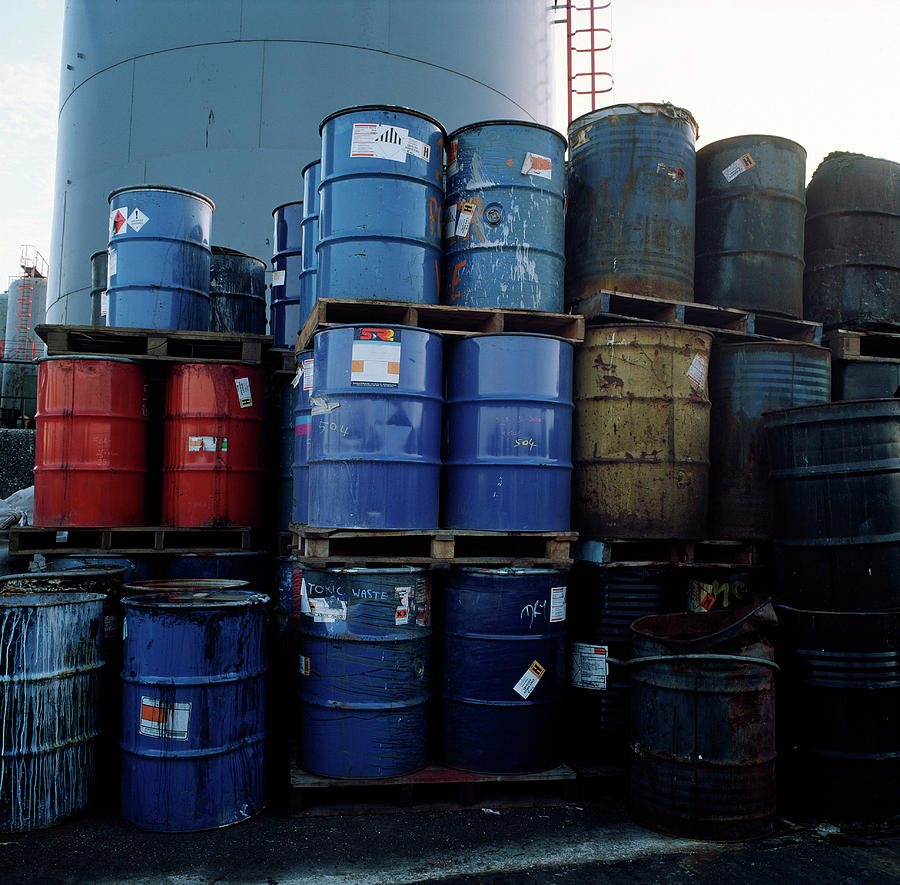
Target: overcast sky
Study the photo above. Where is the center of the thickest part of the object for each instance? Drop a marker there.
(821, 72)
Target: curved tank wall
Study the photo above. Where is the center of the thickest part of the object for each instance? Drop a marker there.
(225, 97)
(18, 379)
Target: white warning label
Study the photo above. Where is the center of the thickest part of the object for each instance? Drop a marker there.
(325, 610)
(104, 304)
(557, 604)
(111, 264)
(165, 719)
(278, 278)
(307, 374)
(206, 444)
(530, 678)
(245, 397)
(535, 164)
(137, 220)
(464, 219)
(417, 148)
(738, 167)
(697, 371)
(588, 665)
(379, 141)
(375, 357)
(118, 220)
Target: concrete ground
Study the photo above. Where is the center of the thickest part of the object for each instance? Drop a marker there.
(589, 842)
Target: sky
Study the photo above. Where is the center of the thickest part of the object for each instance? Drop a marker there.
(820, 72)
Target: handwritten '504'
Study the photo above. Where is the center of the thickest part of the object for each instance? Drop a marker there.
(325, 426)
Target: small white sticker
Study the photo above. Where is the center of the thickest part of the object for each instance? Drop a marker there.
(530, 678)
(464, 221)
(245, 397)
(278, 278)
(401, 616)
(118, 220)
(62, 537)
(697, 372)
(304, 669)
(535, 164)
(111, 263)
(307, 374)
(557, 604)
(137, 220)
(417, 148)
(202, 444)
(379, 141)
(327, 611)
(165, 719)
(588, 665)
(104, 303)
(738, 167)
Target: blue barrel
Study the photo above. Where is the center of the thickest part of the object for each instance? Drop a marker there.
(508, 429)
(159, 256)
(237, 292)
(309, 235)
(50, 666)
(381, 198)
(217, 565)
(301, 437)
(501, 669)
(363, 639)
(745, 380)
(632, 194)
(287, 259)
(286, 411)
(504, 217)
(192, 709)
(374, 459)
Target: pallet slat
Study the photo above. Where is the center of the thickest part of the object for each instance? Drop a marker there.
(614, 552)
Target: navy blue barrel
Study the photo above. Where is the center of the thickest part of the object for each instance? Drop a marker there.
(381, 198)
(50, 672)
(508, 433)
(500, 660)
(218, 565)
(285, 319)
(237, 292)
(835, 471)
(363, 641)
(192, 708)
(309, 235)
(159, 256)
(504, 217)
(751, 206)
(301, 437)
(374, 458)
(632, 195)
(99, 274)
(746, 380)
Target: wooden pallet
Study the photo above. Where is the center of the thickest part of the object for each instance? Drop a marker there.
(859, 345)
(141, 539)
(431, 789)
(154, 344)
(605, 307)
(437, 548)
(443, 318)
(615, 552)
(282, 360)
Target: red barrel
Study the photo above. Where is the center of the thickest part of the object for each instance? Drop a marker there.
(214, 446)
(90, 460)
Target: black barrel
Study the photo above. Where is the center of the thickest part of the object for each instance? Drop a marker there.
(99, 265)
(836, 504)
(237, 292)
(839, 711)
(871, 378)
(603, 602)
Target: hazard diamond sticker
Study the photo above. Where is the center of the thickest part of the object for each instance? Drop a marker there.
(165, 719)
(118, 218)
(137, 220)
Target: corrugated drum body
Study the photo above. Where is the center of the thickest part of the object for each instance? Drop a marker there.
(750, 211)
(513, 254)
(287, 263)
(364, 644)
(159, 254)
(853, 241)
(237, 292)
(703, 731)
(309, 235)
(376, 401)
(836, 495)
(508, 428)
(865, 379)
(50, 661)
(91, 442)
(380, 206)
(641, 432)
(301, 438)
(214, 458)
(192, 709)
(839, 710)
(746, 380)
(632, 195)
(494, 626)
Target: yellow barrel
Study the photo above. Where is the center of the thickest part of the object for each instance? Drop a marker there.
(641, 432)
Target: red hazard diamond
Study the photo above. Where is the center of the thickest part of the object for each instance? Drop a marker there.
(118, 221)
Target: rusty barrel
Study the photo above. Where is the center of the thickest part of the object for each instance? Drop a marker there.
(852, 241)
(746, 380)
(750, 211)
(631, 201)
(641, 432)
(50, 664)
(703, 723)
(214, 459)
(91, 442)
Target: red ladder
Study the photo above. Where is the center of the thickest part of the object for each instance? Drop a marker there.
(586, 41)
